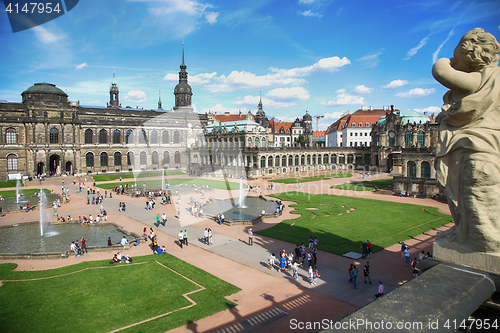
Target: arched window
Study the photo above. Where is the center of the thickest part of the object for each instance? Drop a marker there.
(117, 137)
(177, 157)
(89, 135)
(308, 159)
(408, 138)
(104, 159)
(166, 157)
(153, 138)
(412, 169)
(262, 161)
(425, 170)
(103, 136)
(375, 139)
(421, 138)
(164, 137)
(256, 142)
(333, 159)
(130, 158)
(290, 160)
(353, 124)
(283, 161)
(54, 135)
(177, 137)
(11, 162)
(195, 159)
(341, 159)
(118, 158)
(143, 158)
(89, 159)
(360, 124)
(367, 125)
(302, 160)
(314, 159)
(263, 142)
(392, 139)
(296, 160)
(129, 136)
(270, 161)
(249, 142)
(350, 159)
(320, 160)
(142, 136)
(154, 158)
(325, 159)
(277, 161)
(10, 136)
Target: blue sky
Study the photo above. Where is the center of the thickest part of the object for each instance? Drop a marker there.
(328, 56)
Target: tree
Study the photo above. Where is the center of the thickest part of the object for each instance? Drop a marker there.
(302, 140)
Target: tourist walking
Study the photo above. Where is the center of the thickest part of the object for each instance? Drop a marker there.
(209, 236)
(354, 276)
(185, 236)
(369, 248)
(414, 267)
(250, 237)
(272, 259)
(366, 272)
(403, 248)
(181, 238)
(350, 273)
(407, 256)
(205, 236)
(364, 250)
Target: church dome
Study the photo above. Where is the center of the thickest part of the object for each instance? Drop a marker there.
(182, 88)
(307, 117)
(45, 88)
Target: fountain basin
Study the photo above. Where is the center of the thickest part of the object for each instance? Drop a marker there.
(10, 205)
(252, 210)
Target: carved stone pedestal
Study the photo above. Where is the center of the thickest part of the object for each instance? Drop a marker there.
(488, 262)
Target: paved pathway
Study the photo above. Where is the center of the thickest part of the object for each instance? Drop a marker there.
(232, 259)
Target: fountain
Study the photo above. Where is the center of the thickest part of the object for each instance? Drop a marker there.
(42, 204)
(163, 180)
(241, 202)
(253, 208)
(17, 191)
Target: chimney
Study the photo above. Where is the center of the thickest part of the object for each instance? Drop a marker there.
(371, 108)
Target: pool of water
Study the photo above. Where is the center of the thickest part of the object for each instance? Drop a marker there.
(10, 205)
(253, 208)
(25, 238)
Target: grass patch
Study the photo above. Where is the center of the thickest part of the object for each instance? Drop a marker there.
(312, 178)
(109, 297)
(9, 183)
(146, 174)
(218, 184)
(383, 223)
(365, 185)
(26, 193)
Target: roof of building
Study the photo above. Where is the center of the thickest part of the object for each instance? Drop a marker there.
(235, 126)
(230, 117)
(318, 134)
(407, 116)
(360, 116)
(278, 125)
(45, 88)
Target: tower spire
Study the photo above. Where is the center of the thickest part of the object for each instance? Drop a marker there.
(159, 100)
(183, 51)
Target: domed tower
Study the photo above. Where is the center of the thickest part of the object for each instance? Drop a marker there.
(308, 128)
(261, 117)
(113, 94)
(182, 90)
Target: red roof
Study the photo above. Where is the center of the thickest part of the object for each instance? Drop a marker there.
(230, 117)
(318, 134)
(360, 116)
(287, 126)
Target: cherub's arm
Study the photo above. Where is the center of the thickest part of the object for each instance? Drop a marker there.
(456, 80)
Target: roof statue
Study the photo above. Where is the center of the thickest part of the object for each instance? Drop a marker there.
(468, 152)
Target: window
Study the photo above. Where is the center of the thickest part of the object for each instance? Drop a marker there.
(319, 159)
(256, 142)
(142, 136)
(103, 136)
(117, 136)
(130, 158)
(118, 158)
(350, 159)
(277, 161)
(351, 133)
(341, 159)
(89, 160)
(270, 161)
(333, 159)
(313, 160)
(54, 135)
(166, 157)
(104, 159)
(11, 162)
(412, 169)
(143, 158)
(262, 162)
(421, 138)
(10, 136)
(367, 125)
(195, 159)
(353, 125)
(177, 157)
(249, 142)
(325, 159)
(360, 125)
(164, 137)
(88, 135)
(302, 160)
(392, 139)
(290, 160)
(154, 158)
(425, 170)
(263, 142)
(129, 137)
(296, 160)
(153, 138)
(375, 139)
(177, 137)
(408, 138)
(283, 161)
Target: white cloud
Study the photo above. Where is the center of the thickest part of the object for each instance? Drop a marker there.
(309, 13)
(289, 94)
(202, 78)
(344, 99)
(395, 84)
(417, 92)
(189, 7)
(334, 115)
(47, 37)
(251, 102)
(414, 50)
(136, 96)
(430, 109)
(170, 77)
(340, 91)
(211, 17)
(435, 54)
(77, 67)
(362, 90)
(371, 60)
(306, 1)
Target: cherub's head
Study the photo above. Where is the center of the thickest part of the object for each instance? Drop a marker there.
(476, 50)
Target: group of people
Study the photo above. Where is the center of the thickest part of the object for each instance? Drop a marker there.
(207, 236)
(118, 257)
(366, 249)
(183, 238)
(292, 261)
(79, 248)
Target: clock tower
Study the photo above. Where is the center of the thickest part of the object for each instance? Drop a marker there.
(183, 90)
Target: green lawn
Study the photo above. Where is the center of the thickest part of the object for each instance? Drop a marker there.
(218, 184)
(366, 185)
(312, 178)
(27, 192)
(383, 223)
(146, 174)
(9, 183)
(108, 297)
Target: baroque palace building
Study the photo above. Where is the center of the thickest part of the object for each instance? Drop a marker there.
(48, 134)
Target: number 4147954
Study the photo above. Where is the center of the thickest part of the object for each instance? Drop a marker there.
(33, 7)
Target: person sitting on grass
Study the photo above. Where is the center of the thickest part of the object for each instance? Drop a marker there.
(163, 249)
(114, 260)
(128, 259)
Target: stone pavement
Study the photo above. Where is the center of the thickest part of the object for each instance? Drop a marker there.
(232, 259)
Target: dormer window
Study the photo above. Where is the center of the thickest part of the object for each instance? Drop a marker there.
(360, 124)
(353, 125)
